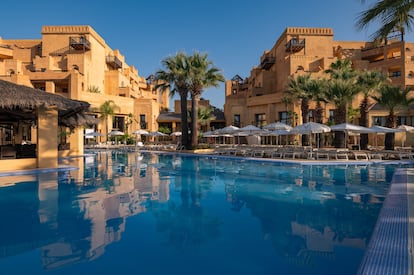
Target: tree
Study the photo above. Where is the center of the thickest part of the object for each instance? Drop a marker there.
(202, 75)
(317, 91)
(392, 97)
(94, 89)
(299, 88)
(341, 89)
(107, 109)
(316, 88)
(393, 15)
(369, 83)
(205, 116)
(175, 78)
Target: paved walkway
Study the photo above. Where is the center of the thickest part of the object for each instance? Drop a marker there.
(390, 250)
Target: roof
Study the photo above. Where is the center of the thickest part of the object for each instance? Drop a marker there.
(176, 117)
(19, 96)
(19, 102)
(169, 117)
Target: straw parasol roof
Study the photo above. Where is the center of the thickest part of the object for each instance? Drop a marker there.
(19, 96)
(19, 102)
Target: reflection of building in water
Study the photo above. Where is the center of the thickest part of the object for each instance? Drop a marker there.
(304, 225)
(126, 194)
(319, 243)
(74, 216)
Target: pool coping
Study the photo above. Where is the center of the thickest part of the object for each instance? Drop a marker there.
(390, 250)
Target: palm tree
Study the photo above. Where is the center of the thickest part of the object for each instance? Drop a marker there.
(341, 69)
(392, 97)
(393, 15)
(202, 75)
(317, 90)
(175, 78)
(94, 89)
(299, 88)
(107, 109)
(341, 89)
(205, 116)
(369, 83)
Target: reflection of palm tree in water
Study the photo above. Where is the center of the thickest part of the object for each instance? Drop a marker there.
(187, 225)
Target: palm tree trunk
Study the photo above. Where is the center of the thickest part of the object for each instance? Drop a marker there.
(194, 121)
(389, 141)
(318, 118)
(339, 139)
(305, 116)
(363, 121)
(184, 120)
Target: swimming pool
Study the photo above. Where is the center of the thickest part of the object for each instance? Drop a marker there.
(181, 214)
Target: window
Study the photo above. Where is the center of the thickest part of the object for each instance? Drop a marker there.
(311, 115)
(142, 122)
(260, 119)
(331, 116)
(379, 120)
(236, 120)
(401, 120)
(284, 117)
(118, 123)
(395, 74)
(6, 134)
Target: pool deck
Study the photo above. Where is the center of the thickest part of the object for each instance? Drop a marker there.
(390, 250)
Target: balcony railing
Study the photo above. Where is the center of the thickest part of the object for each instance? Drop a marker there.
(79, 43)
(295, 45)
(268, 62)
(143, 125)
(114, 62)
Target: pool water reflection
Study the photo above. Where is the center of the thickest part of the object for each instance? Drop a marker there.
(177, 214)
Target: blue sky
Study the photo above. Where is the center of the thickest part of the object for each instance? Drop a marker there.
(234, 33)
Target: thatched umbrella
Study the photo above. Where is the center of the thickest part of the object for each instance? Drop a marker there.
(19, 102)
(19, 96)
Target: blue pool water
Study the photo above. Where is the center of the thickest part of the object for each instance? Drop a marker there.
(132, 213)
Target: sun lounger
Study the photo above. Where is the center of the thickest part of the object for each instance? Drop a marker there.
(257, 153)
(405, 156)
(277, 154)
(322, 155)
(360, 156)
(375, 156)
(341, 154)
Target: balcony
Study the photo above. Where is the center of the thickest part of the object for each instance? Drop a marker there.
(79, 43)
(6, 52)
(295, 45)
(143, 125)
(114, 62)
(268, 62)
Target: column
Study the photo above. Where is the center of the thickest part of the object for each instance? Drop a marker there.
(47, 137)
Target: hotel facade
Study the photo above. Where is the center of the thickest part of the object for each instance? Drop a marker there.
(76, 62)
(258, 99)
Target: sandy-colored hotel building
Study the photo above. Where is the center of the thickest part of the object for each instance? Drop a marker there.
(76, 62)
(258, 98)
